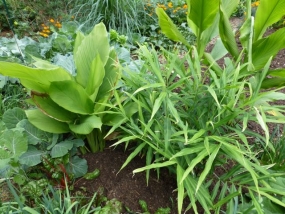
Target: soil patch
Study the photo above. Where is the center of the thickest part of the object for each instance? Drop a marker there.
(127, 187)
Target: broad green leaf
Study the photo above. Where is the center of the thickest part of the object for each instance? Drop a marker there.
(219, 50)
(268, 12)
(229, 6)
(227, 35)
(77, 166)
(96, 77)
(61, 149)
(71, 96)
(34, 77)
(46, 123)
(12, 117)
(86, 124)
(52, 109)
(169, 28)
(202, 14)
(264, 48)
(79, 38)
(91, 45)
(112, 74)
(34, 134)
(12, 144)
(31, 157)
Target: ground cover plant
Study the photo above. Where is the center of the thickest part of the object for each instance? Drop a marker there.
(185, 112)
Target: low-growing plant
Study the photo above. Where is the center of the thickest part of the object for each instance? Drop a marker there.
(66, 103)
(29, 153)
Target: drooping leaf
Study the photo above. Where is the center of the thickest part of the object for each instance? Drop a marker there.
(34, 78)
(52, 109)
(46, 123)
(169, 28)
(12, 117)
(227, 35)
(264, 48)
(86, 124)
(71, 96)
(91, 45)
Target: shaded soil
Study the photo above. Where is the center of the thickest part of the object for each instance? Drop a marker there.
(127, 187)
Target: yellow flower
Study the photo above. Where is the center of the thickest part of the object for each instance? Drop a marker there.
(174, 11)
(46, 27)
(185, 6)
(170, 5)
(257, 3)
(51, 20)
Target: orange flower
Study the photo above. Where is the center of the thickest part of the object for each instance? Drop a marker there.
(51, 20)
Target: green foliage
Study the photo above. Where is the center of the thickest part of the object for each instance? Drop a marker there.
(193, 121)
(24, 146)
(256, 50)
(119, 15)
(72, 104)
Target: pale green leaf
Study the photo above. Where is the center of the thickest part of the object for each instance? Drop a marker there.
(36, 79)
(71, 96)
(86, 124)
(12, 117)
(96, 77)
(91, 45)
(46, 123)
